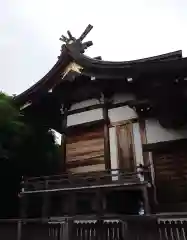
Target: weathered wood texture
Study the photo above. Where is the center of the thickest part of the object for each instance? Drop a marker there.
(125, 147)
(100, 179)
(85, 151)
(170, 176)
(106, 135)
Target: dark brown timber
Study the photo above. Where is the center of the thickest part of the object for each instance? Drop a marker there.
(106, 133)
(63, 136)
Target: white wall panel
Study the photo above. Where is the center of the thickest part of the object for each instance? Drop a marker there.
(156, 133)
(121, 113)
(86, 103)
(84, 117)
(121, 97)
(117, 98)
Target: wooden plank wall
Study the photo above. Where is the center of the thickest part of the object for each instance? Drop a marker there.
(171, 175)
(85, 151)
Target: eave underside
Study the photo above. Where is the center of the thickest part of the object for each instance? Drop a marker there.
(162, 96)
(99, 69)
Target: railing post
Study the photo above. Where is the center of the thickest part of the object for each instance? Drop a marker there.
(68, 230)
(19, 230)
(60, 232)
(99, 229)
(23, 200)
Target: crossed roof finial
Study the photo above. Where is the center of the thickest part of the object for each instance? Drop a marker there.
(70, 39)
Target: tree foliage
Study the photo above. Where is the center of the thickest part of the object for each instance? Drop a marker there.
(26, 149)
(11, 128)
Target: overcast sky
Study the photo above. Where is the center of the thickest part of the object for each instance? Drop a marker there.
(123, 30)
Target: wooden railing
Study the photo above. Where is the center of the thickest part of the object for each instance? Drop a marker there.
(114, 228)
(114, 177)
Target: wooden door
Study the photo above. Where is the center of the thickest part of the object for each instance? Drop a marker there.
(85, 150)
(125, 147)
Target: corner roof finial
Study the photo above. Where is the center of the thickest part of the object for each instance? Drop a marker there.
(70, 38)
(64, 39)
(85, 33)
(80, 46)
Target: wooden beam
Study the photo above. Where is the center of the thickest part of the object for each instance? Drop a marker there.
(119, 185)
(106, 133)
(87, 126)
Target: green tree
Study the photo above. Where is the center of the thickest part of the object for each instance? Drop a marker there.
(11, 128)
(26, 149)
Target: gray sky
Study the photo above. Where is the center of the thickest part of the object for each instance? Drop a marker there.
(123, 30)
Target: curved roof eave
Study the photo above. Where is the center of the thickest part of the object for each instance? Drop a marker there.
(70, 53)
(86, 61)
(109, 69)
(73, 50)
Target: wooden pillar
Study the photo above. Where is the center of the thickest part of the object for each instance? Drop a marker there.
(72, 203)
(46, 201)
(23, 201)
(68, 230)
(150, 171)
(146, 200)
(23, 206)
(64, 114)
(99, 202)
(144, 141)
(106, 133)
